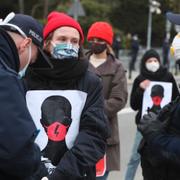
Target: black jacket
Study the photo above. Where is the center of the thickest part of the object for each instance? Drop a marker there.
(78, 162)
(160, 157)
(19, 155)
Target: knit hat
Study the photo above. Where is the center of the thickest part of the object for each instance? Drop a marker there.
(101, 30)
(56, 20)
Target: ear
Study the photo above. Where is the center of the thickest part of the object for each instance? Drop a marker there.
(47, 44)
(24, 44)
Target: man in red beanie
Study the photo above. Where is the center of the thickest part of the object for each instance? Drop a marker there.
(101, 56)
(85, 141)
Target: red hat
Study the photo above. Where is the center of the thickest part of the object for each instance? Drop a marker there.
(57, 20)
(101, 30)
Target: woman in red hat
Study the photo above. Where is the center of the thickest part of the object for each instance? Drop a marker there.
(101, 57)
(84, 144)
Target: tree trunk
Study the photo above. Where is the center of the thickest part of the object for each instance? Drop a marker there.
(46, 4)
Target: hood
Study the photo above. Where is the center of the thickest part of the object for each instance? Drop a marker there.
(148, 74)
(8, 51)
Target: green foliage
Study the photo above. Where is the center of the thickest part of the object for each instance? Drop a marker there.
(95, 11)
(63, 6)
(126, 16)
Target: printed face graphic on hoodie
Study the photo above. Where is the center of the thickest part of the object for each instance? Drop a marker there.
(157, 94)
(56, 119)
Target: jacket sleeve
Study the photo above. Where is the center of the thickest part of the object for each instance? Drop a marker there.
(19, 155)
(136, 96)
(118, 93)
(90, 143)
(175, 90)
(166, 147)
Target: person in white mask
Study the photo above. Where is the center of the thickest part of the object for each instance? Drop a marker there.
(150, 70)
(20, 38)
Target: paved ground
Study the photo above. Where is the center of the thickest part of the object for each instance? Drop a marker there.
(127, 132)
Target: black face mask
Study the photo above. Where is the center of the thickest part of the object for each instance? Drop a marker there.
(97, 48)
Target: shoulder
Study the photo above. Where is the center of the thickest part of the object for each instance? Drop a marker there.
(170, 74)
(90, 81)
(92, 77)
(138, 79)
(116, 63)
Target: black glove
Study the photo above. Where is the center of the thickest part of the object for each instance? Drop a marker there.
(56, 175)
(40, 173)
(167, 110)
(150, 126)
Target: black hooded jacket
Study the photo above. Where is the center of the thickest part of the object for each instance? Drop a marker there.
(136, 97)
(19, 156)
(78, 163)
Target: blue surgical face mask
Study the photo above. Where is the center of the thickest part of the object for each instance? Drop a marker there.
(64, 50)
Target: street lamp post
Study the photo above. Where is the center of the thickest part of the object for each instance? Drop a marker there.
(153, 8)
(76, 10)
(149, 28)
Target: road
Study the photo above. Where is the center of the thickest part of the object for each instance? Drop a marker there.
(127, 131)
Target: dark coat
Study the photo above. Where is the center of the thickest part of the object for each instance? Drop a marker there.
(78, 163)
(19, 155)
(161, 156)
(115, 95)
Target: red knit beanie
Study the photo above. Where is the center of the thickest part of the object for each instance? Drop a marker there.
(101, 30)
(56, 20)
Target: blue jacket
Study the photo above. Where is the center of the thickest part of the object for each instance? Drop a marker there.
(19, 155)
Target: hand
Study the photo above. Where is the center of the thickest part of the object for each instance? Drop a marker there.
(144, 84)
(44, 178)
(167, 111)
(54, 176)
(150, 126)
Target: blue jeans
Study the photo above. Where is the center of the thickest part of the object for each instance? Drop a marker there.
(103, 177)
(134, 159)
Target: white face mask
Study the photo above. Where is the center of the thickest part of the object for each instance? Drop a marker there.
(23, 71)
(152, 66)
